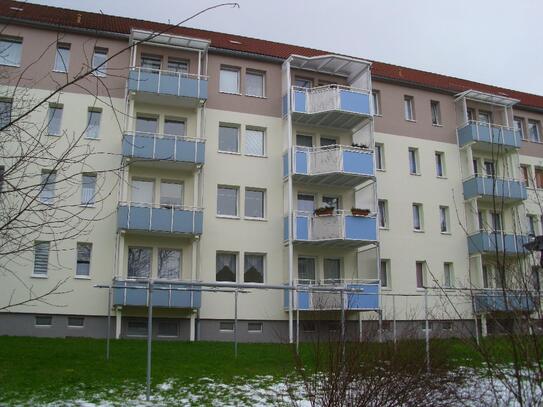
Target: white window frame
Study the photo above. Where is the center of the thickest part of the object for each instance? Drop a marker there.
(50, 115)
(448, 266)
(376, 98)
(167, 320)
(255, 72)
(420, 216)
(71, 325)
(227, 322)
(380, 156)
(444, 216)
(384, 216)
(230, 69)
(522, 126)
(77, 262)
(440, 155)
(237, 189)
(12, 40)
(263, 255)
(255, 331)
(45, 260)
(435, 112)
(251, 189)
(92, 200)
(60, 60)
(229, 126)
(50, 324)
(413, 158)
(101, 71)
(255, 129)
(409, 108)
(388, 274)
(236, 263)
(93, 132)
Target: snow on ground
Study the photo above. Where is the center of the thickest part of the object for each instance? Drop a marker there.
(257, 391)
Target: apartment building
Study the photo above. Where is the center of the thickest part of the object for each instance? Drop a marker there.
(236, 162)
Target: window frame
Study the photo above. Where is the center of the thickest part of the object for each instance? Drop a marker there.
(221, 329)
(238, 138)
(387, 273)
(448, 268)
(78, 261)
(52, 109)
(435, 109)
(236, 265)
(159, 263)
(383, 217)
(255, 130)
(90, 112)
(141, 322)
(101, 72)
(228, 68)
(167, 321)
(263, 255)
(380, 164)
(255, 331)
(44, 260)
(423, 278)
(65, 62)
(376, 100)
(92, 201)
(444, 217)
(409, 108)
(440, 163)
(256, 72)
(151, 255)
(420, 216)
(12, 40)
(75, 317)
(45, 184)
(48, 325)
(263, 192)
(413, 157)
(229, 187)
(521, 128)
(537, 126)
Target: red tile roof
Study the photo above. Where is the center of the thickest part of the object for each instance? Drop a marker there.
(122, 25)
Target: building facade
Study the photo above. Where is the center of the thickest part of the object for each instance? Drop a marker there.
(233, 162)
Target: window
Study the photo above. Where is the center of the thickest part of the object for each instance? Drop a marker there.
(43, 320)
(332, 271)
(174, 127)
(533, 130)
(536, 280)
(5, 113)
(331, 202)
(84, 251)
(440, 164)
(485, 117)
(169, 264)
(146, 125)
(486, 277)
(2, 170)
(303, 82)
(417, 216)
(93, 123)
(253, 270)
(476, 167)
(304, 141)
(254, 142)
(62, 58)
(538, 177)
(446, 325)
(41, 258)
(226, 326)
(306, 203)
(168, 328)
(471, 114)
(229, 80)
(142, 191)
(99, 61)
(254, 327)
(525, 174)
(308, 326)
(229, 139)
(531, 222)
(496, 221)
(254, 203)
(380, 156)
(76, 322)
(421, 275)
(383, 213)
(384, 273)
(481, 220)
(413, 161)
(151, 63)
(436, 112)
(409, 108)
(448, 275)
(139, 262)
(254, 83)
(88, 189)
(519, 127)
(328, 141)
(423, 325)
(10, 51)
(47, 192)
(171, 194)
(490, 170)
(227, 201)
(178, 65)
(226, 267)
(306, 270)
(136, 328)
(376, 102)
(444, 219)
(54, 120)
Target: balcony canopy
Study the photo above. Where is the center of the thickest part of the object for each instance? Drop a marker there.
(168, 40)
(351, 68)
(500, 100)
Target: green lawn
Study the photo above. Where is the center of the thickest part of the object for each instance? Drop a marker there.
(42, 370)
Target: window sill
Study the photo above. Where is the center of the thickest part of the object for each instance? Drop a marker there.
(53, 135)
(381, 169)
(386, 288)
(99, 74)
(384, 228)
(92, 138)
(62, 72)
(255, 219)
(446, 233)
(228, 217)
(82, 278)
(256, 96)
(74, 327)
(38, 276)
(417, 174)
(228, 152)
(256, 155)
(410, 120)
(11, 65)
(437, 125)
(230, 93)
(441, 177)
(418, 230)
(378, 115)
(87, 206)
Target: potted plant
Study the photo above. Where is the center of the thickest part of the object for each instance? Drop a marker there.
(324, 211)
(360, 212)
(360, 145)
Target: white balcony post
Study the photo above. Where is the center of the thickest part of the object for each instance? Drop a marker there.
(118, 322)
(159, 78)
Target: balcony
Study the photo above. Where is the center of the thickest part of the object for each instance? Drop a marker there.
(488, 137)
(165, 294)
(498, 300)
(340, 229)
(330, 106)
(490, 188)
(167, 87)
(159, 219)
(308, 299)
(331, 165)
(174, 150)
(492, 242)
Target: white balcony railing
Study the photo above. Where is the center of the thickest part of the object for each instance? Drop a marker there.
(331, 159)
(325, 98)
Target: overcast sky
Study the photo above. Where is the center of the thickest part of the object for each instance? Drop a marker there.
(499, 42)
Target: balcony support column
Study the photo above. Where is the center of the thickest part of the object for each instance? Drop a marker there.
(484, 329)
(192, 327)
(118, 322)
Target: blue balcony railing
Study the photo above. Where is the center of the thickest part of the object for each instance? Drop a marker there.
(164, 294)
(150, 146)
(489, 187)
(498, 300)
(159, 218)
(341, 160)
(167, 83)
(480, 132)
(490, 242)
(331, 98)
(365, 295)
(339, 226)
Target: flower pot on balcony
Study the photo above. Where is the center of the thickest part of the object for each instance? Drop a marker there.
(326, 211)
(360, 212)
